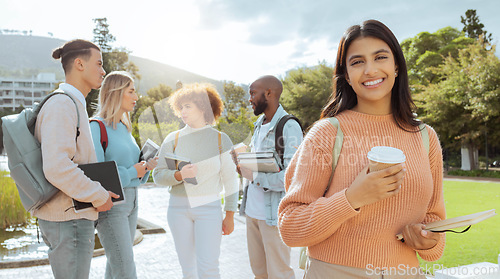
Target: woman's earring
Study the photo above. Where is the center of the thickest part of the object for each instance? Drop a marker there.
(396, 74)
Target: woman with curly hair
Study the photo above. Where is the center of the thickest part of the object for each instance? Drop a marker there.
(194, 212)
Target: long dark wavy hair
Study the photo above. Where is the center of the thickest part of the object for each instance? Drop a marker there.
(343, 96)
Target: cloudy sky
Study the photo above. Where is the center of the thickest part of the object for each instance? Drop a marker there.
(238, 40)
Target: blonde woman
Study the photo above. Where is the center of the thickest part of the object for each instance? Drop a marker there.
(194, 211)
(116, 228)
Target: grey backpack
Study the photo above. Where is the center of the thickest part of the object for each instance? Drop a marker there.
(25, 155)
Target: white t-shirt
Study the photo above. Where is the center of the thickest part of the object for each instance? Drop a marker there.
(255, 196)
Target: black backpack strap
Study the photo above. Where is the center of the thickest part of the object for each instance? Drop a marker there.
(278, 139)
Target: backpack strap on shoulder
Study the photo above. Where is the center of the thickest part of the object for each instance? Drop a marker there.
(220, 143)
(278, 136)
(104, 133)
(36, 110)
(176, 140)
(337, 147)
(425, 136)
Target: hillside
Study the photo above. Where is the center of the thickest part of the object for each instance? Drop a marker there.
(24, 56)
(152, 73)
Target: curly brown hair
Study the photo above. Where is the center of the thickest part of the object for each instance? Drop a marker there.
(203, 95)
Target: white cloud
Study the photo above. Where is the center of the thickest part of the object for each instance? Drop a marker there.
(236, 39)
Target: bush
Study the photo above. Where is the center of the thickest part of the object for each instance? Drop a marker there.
(475, 173)
(12, 211)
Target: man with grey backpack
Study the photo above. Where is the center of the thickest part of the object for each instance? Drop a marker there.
(62, 129)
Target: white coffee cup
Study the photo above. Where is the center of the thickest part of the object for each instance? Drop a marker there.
(382, 157)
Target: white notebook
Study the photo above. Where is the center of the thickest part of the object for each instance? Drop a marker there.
(457, 222)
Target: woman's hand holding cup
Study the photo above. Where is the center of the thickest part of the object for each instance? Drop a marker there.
(381, 179)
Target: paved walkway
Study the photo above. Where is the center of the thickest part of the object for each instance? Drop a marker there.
(155, 256)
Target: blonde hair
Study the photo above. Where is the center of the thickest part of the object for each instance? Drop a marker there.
(110, 98)
(203, 95)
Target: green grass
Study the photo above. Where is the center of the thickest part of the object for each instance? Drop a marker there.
(482, 242)
(11, 209)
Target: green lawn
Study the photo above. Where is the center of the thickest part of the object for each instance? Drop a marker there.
(482, 242)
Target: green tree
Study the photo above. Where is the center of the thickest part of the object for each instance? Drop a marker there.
(102, 37)
(238, 127)
(427, 50)
(237, 120)
(306, 90)
(153, 109)
(235, 98)
(473, 27)
(114, 59)
(464, 103)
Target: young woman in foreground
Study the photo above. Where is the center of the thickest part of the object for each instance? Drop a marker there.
(350, 230)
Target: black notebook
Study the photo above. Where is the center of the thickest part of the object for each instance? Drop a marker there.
(105, 173)
(175, 162)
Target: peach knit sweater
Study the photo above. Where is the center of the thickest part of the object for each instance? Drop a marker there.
(336, 233)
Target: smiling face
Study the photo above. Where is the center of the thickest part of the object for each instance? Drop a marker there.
(371, 72)
(191, 115)
(129, 98)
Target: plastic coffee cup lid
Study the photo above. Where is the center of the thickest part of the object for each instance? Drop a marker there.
(386, 155)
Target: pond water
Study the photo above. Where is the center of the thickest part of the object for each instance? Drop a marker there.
(19, 243)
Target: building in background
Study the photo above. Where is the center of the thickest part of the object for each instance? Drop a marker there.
(15, 93)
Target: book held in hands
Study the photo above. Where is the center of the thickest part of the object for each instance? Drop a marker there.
(149, 150)
(105, 173)
(456, 222)
(176, 162)
(262, 161)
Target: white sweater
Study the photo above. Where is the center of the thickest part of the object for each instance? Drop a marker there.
(56, 130)
(215, 171)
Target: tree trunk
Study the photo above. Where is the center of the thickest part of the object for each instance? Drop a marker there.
(469, 157)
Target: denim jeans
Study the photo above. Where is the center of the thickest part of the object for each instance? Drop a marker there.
(116, 229)
(71, 246)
